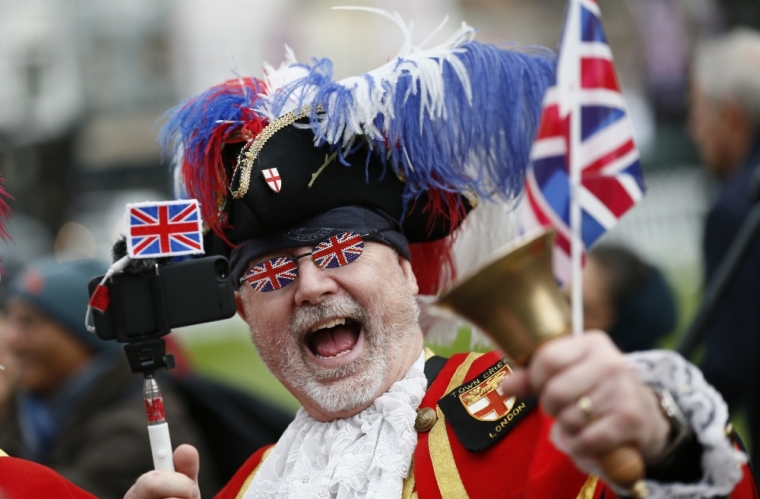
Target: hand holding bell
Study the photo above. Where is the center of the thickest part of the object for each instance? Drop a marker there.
(516, 301)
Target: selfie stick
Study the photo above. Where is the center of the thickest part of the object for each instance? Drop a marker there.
(158, 428)
(145, 355)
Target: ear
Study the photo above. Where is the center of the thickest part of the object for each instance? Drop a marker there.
(406, 268)
(240, 306)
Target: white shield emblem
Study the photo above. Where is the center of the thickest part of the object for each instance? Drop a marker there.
(272, 176)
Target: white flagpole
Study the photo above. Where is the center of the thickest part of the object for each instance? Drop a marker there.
(570, 49)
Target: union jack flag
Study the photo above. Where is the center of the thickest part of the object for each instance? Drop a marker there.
(272, 274)
(166, 228)
(611, 180)
(338, 250)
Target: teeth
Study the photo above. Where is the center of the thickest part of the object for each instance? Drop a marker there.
(335, 322)
(340, 354)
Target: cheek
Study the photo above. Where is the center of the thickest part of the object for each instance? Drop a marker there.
(268, 321)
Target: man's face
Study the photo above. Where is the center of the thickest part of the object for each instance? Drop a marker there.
(44, 353)
(338, 338)
(711, 129)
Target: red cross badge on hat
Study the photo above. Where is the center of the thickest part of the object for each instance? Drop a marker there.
(272, 176)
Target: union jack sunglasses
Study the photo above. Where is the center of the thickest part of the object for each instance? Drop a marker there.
(335, 251)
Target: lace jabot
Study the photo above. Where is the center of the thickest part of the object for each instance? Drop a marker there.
(366, 455)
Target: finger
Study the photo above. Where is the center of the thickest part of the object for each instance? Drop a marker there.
(566, 387)
(187, 461)
(599, 437)
(572, 418)
(553, 357)
(517, 384)
(163, 484)
(618, 419)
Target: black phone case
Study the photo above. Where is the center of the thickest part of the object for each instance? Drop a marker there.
(173, 295)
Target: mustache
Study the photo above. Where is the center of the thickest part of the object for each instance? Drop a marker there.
(306, 316)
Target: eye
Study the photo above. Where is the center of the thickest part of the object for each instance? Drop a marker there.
(272, 274)
(338, 250)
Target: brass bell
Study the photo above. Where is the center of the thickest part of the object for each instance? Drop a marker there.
(514, 298)
(516, 301)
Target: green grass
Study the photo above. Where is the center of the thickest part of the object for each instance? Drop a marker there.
(234, 360)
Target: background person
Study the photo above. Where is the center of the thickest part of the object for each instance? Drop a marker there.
(626, 297)
(78, 408)
(724, 118)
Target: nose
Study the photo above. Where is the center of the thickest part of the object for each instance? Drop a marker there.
(313, 284)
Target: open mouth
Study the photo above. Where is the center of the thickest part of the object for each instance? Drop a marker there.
(334, 338)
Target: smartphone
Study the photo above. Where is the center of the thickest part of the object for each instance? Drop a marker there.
(172, 295)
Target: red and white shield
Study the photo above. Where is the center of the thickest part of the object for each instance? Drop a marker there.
(486, 402)
(272, 176)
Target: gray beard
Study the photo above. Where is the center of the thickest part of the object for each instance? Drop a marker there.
(356, 384)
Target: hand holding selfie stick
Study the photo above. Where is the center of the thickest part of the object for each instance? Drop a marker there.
(516, 301)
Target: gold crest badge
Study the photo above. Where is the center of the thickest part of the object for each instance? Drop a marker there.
(485, 401)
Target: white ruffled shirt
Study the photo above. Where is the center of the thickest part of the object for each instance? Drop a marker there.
(367, 455)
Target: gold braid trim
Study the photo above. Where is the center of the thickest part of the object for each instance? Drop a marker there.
(587, 491)
(444, 466)
(248, 480)
(408, 492)
(250, 152)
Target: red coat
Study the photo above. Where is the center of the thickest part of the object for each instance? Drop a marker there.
(523, 464)
(22, 479)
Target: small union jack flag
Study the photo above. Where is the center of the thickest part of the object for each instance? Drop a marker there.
(338, 250)
(611, 180)
(272, 274)
(166, 228)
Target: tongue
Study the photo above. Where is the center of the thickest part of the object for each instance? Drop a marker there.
(331, 342)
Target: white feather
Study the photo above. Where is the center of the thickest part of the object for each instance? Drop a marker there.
(424, 66)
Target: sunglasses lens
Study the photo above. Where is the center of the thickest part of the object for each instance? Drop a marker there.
(338, 250)
(272, 274)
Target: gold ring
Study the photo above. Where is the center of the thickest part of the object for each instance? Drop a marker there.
(586, 407)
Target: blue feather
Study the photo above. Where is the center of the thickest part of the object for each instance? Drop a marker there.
(479, 140)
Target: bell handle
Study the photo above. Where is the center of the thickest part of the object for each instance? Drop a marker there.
(624, 466)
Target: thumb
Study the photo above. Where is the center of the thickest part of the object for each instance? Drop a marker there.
(187, 461)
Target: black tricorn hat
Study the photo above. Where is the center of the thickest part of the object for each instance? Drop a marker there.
(292, 180)
(420, 139)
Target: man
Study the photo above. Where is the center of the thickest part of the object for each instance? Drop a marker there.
(340, 199)
(626, 297)
(78, 408)
(725, 113)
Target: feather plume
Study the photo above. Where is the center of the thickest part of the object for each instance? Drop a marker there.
(457, 117)
(195, 133)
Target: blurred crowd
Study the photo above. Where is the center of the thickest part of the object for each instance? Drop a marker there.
(68, 400)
